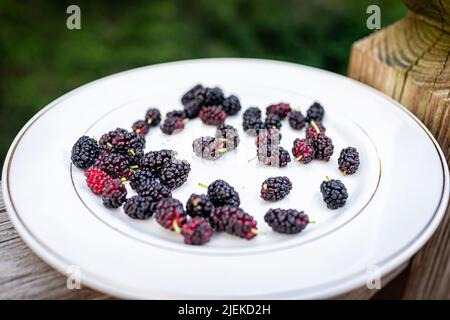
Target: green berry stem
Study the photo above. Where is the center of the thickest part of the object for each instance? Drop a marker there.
(202, 185)
(250, 160)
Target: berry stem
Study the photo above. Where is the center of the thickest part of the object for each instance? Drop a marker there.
(314, 125)
(202, 185)
(175, 226)
(132, 151)
(299, 158)
(256, 231)
(222, 150)
(134, 167)
(250, 160)
(327, 178)
(149, 121)
(312, 221)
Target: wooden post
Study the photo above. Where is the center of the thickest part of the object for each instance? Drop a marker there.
(410, 61)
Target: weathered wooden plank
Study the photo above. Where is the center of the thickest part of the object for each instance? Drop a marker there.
(410, 61)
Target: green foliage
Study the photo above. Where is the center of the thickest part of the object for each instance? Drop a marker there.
(41, 59)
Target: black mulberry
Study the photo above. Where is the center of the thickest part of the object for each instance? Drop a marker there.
(84, 152)
(348, 160)
(199, 206)
(288, 221)
(315, 112)
(172, 125)
(303, 150)
(280, 109)
(196, 93)
(141, 127)
(231, 105)
(175, 173)
(233, 220)
(213, 96)
(272, 121)
(141, 178)
(153, 117)
(296, 120)
(138, 207)
(116, 165)
(170, 214)
(212, 115)
(313, 129)
(154, 190)
(156, 160)
(275, 188)
(334, 193)
(221, 193)
(115, 194)
(197, 231)
(323, 147)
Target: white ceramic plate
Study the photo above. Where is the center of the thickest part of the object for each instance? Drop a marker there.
(397, 197)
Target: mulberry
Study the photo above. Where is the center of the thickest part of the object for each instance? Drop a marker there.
(199, 206)
(288, 221)
(272, 121)
(116, 165)
(115, 194)
(172, 125)
(197, 231)
(315, 112)
(170, 214)
(97, 180)
(231, 105)
(334, 193)
(252, 113)
(296, 120)
(280, 109)
(221, 193)
(275, 188)
(303, 150)
(348, 160)
(140, 179)
(213, 115)
(154, 191)
(156, 160)
(153, 117)
(138, 207)
(323, 147)
(213, 96)
(233, 220)
(313, 129)
(175, 173)
(141, 127)
(196, 93)
(84, 152)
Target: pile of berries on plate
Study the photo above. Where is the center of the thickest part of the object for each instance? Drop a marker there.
(118, 158)
(209, 104)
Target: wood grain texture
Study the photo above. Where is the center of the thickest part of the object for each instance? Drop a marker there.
(410, 61)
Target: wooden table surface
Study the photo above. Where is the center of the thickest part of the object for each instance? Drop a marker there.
(25, 276)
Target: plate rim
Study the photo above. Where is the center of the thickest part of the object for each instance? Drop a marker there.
(339, 286)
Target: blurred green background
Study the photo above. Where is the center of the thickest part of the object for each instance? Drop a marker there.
(40, 59)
